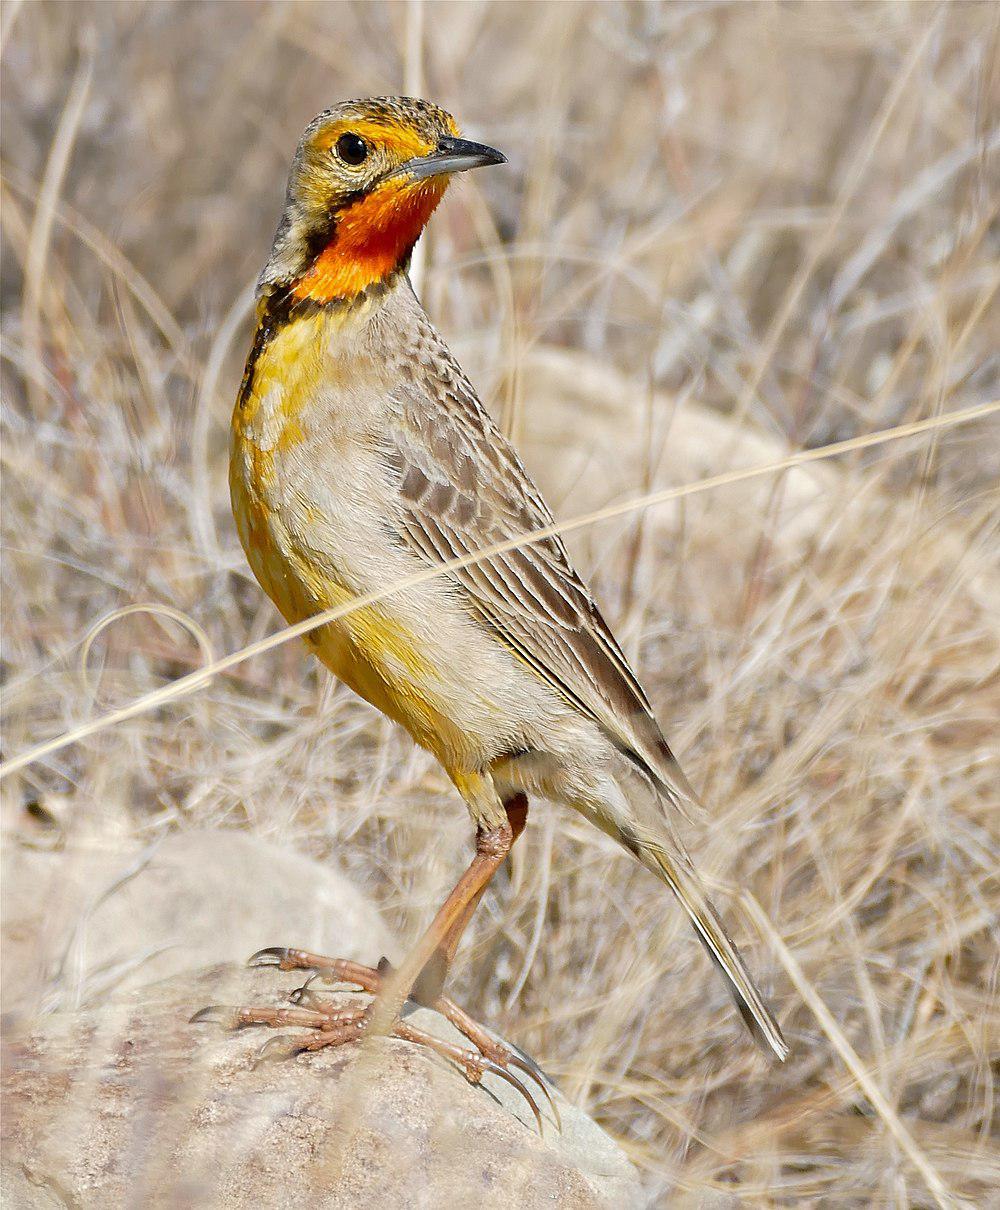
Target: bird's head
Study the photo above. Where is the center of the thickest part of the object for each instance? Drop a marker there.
(366, 177)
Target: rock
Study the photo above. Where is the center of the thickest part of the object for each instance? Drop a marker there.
(79, 923)
(129, 1104)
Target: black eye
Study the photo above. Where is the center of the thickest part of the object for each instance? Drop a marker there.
(352, 149)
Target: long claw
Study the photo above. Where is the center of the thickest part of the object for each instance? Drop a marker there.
(538, 1071)
(304, 993)
(532, 1070)
(281, 1046)
(496, 1070)
(211, 1012)
(263, 957)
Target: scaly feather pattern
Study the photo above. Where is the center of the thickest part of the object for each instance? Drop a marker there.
(464, 488)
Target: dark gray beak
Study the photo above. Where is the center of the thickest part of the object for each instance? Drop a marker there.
(453, 155)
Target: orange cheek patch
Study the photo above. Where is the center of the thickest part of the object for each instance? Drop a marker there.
(372, 238)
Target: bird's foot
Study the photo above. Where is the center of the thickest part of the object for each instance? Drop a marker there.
(327, 1025)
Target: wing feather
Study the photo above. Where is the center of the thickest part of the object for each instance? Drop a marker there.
(463, 488)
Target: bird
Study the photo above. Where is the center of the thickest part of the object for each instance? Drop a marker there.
(361, 457)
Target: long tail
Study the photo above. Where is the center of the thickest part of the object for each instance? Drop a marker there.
(677, 872)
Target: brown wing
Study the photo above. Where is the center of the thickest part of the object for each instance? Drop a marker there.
(464, 488)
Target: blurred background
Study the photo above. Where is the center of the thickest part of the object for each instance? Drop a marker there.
(727, 232)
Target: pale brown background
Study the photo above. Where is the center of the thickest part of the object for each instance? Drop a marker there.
(727, 232)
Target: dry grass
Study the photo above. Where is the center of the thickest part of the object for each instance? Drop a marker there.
(788, 213)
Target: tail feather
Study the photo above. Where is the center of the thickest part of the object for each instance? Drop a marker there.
(678, 873)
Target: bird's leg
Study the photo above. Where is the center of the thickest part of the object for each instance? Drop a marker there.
(427, 987)
(440, 941)
(429, 981)
(422, 975)
(419, 979)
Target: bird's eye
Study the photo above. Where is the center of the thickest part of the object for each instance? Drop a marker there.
(352, 149)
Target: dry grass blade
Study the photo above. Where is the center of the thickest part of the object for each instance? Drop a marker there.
(850, 1057)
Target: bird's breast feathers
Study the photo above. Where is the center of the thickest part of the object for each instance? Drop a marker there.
(315, 501)
(307, 480)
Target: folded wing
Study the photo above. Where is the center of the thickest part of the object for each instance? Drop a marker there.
(464, 489)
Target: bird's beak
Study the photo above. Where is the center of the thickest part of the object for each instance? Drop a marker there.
(452, 155)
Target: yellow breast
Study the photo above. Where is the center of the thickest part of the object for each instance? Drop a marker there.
(370, 649)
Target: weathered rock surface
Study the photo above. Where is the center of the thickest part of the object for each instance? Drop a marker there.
(81, 923)
(129, 1105)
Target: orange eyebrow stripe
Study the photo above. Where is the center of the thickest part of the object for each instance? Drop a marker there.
(399, 141)
(372, 238)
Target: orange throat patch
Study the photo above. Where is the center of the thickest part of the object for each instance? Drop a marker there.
(371, 239)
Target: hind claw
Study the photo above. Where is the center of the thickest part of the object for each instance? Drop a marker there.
(496, 1070)
(534, 1071)
(211, 1012)
(538, 1072)
(262, 957)
(281, 1046)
